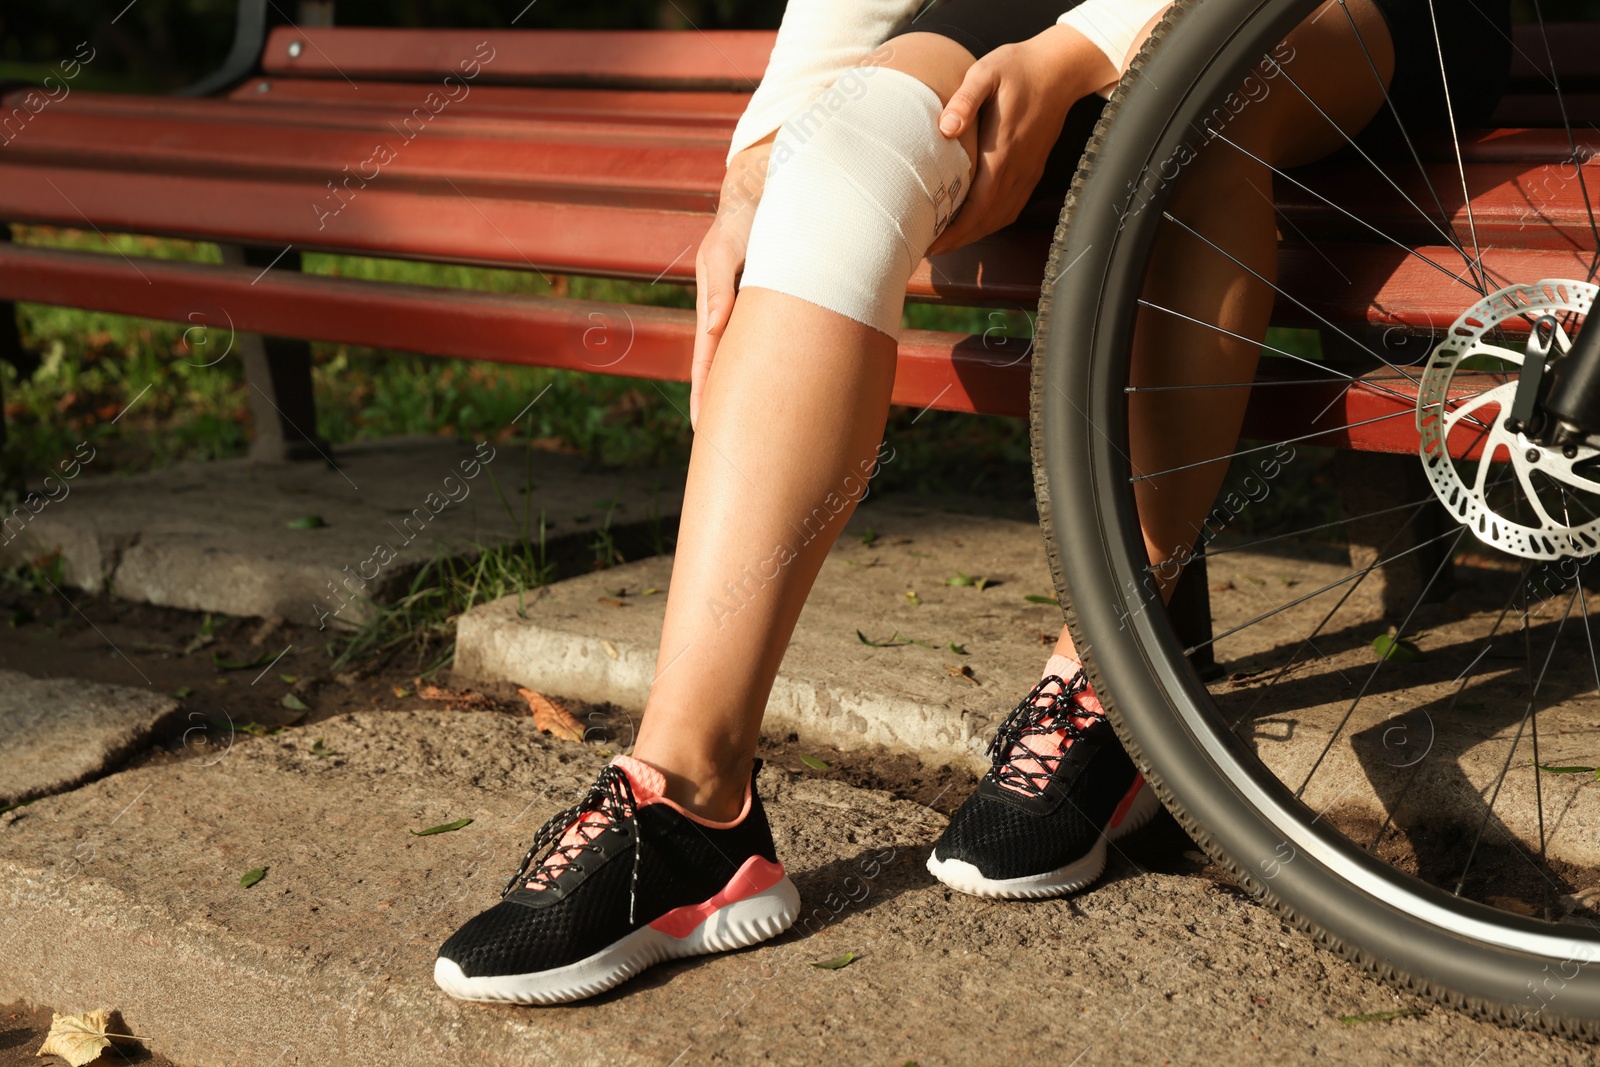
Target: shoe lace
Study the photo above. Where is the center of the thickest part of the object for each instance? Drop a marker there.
(612, 797)
(1040, 713)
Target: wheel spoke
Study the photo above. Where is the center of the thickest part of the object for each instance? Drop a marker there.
(1464, 679)
(1356, 576)
(1409, 399)
(1372, 676)
(1572, 143)
(1475, 286)
(1522, 724)
(1405, 134)
(1212, 553)
(1328, 617)
(1449, 238)
(1277, 444)
(1346, 379)
(1455, 139)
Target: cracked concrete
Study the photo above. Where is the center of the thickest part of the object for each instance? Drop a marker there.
(58, 733)
(125, 893)
(581, 638)
(242, 538)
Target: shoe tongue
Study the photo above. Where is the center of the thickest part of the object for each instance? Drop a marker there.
(1060, 666)
(648, 783)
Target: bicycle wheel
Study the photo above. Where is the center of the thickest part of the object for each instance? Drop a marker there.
(1397, 774)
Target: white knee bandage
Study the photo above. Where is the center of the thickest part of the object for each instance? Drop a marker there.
(859, 185)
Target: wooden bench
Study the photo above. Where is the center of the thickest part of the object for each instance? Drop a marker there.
(601, 153)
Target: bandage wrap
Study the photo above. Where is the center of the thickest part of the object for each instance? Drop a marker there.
(859, 184)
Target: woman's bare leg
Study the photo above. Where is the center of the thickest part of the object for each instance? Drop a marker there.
(790, 423)
(1227, 197)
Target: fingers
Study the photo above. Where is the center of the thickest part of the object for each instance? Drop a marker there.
(714, 270)
(715, 289)
(702, 305)
(971, 222)
(705, 347)
(962, 111)
(972, 218)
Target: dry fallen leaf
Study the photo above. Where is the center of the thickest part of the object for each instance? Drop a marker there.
(78, 1039)
(551, 717)
(458, 699)
(963, 672)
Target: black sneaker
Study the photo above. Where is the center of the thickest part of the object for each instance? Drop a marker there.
(1061, 789)
(631, 880)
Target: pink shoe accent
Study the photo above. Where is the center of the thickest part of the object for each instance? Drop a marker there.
(1127, 802)
(649, 785)
(756, 876)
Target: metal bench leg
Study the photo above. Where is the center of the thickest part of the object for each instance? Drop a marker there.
(12, 352)
(278, 373)
(1190, 612)
(1374, 481)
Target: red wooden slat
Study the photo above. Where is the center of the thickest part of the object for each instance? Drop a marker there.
(465, 222)
(669, 160)
(711, 108)
(717, 59)
(1372, 414)
(952, 372)
(1514, 205)
(724, 58)
(316, 104)
(312, 103)
(471, 224)
(1387, 287)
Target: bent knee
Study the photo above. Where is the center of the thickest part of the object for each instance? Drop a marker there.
(858, 187)
(938, 62)
(1325, 83)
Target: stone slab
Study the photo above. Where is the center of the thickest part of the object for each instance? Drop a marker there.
(60, 732)
(1403, 745)
(831, 687)
(125, 894)
(216, 536)
(1404, 755)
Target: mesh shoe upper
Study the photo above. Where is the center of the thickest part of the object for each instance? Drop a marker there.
(1030, 817)
(585, 904)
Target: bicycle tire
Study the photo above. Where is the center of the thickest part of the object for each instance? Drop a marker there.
(1486, 962)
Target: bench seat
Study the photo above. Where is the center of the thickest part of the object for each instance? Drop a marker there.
(601, 154)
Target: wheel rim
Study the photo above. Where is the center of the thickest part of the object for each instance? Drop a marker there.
(1113, 607)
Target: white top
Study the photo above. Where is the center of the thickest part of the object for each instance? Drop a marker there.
(820, 39)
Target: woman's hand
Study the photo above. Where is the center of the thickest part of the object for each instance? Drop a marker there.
(1024, 91)
(721, 258)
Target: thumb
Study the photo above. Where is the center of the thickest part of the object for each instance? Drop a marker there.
(962, 110)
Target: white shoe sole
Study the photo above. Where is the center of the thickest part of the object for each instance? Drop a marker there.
(736, 925)
(965, 877)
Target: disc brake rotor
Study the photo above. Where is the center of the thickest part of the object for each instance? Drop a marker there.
(1466, 445)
